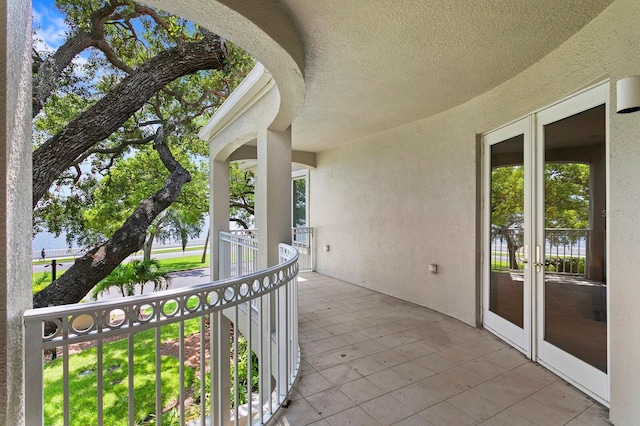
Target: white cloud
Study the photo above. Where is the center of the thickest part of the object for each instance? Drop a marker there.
(50, 28)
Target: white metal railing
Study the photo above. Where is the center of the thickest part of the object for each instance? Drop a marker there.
(128, 367)
(302, 239)
(238, 251)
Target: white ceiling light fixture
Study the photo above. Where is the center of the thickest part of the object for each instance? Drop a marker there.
(628, 92)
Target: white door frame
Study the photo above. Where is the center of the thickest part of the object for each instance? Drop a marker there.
(530, 340)
(579, 373)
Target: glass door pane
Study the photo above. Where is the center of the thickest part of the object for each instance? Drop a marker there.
(506, 274)
(575, 287)
(507, 257)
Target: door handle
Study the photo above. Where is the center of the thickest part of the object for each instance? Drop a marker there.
(538, 263)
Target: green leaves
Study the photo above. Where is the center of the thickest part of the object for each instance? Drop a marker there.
(126, 276)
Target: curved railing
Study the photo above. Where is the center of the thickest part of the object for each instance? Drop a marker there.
(139, 329)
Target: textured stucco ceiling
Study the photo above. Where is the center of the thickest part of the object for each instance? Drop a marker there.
(371, 65)
(347, 69)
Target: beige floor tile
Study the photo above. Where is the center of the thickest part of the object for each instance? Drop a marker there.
(329, 402)
(416, 397)
(414, 420)
(441, 341)
(524, 380)
(394, 339)
(367, 365)
(415, 350)
(596, 415)
(323, 361)
(333, 342)
(317, 334)
(500, 391)
(340, 374)
(338, 329)
(390, 357)
(482, 346)
(563, 397)
(305, 368)
(386, 409)
(535, 372)
(311, 348)
(320, 423)
(389, 380)
(371, 346)
(312, 383)
(457, 356)
(299, 413)
(540, 414)
(294, 394)
(442, 386)
(484, 368)
(507, 418)
(436, 362)
(445, 414)
(507, 358)
(464, 376)
(475, 405)
(354, 337)
(413, 371)
(361, 390)
(354, 416)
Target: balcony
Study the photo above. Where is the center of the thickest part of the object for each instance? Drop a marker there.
(327, 352)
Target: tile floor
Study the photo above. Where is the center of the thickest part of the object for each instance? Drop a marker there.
(371, 359)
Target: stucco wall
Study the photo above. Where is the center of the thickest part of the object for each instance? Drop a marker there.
(15, 207)
(392, 203)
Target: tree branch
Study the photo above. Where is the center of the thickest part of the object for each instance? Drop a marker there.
(117, 150)
(109, 113)
(51, 68)
(91, 268)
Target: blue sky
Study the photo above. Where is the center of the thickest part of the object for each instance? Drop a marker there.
(50, 23)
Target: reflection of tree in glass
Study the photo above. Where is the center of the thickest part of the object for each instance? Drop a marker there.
(507, 208)
(566, 201)
(566, 204)
(299, 203)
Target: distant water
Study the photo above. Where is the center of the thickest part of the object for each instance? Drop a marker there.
(48, 241)
(58, 246)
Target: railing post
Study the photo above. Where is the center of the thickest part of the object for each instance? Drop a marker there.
(34, 379)
(220, 366)
(239, 259)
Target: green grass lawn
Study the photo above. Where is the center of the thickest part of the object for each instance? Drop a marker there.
(175, 264)
(83, 404)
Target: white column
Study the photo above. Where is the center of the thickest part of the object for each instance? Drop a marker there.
(15, 202)
(273, 195)
(218, 210)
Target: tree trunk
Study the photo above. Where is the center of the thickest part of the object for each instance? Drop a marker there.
(95, 265)
(206, 244)
(58, 153)
(512, 248)
(146, 247)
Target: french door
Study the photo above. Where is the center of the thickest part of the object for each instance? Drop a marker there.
(544, 238)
